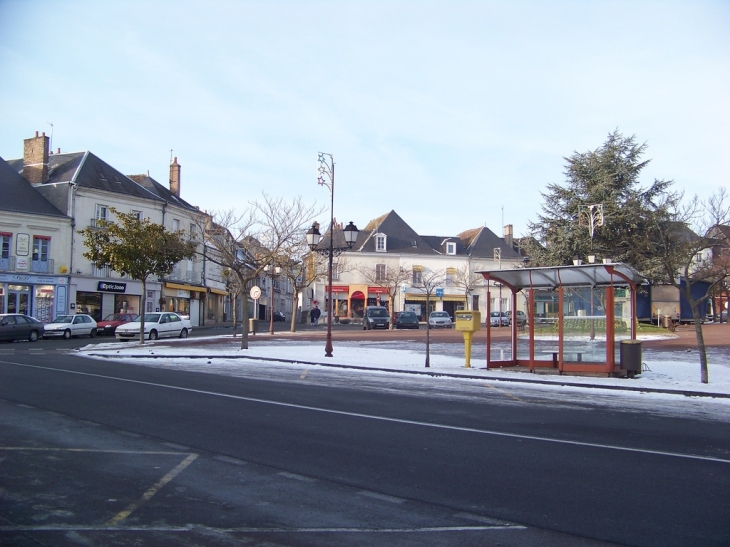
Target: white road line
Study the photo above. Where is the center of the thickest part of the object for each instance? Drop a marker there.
(536, 438)
(381, 497)
(188, 528)
(296, 477)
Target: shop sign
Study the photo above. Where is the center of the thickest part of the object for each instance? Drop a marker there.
(21, 263)
(339, 288)
(378, 290)
(22, 245)
(28, 278)
(111, 287)
(181, 293)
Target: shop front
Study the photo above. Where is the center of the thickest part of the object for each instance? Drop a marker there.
(416, 302)
(100, 299)
(184, 299)
(43, 297)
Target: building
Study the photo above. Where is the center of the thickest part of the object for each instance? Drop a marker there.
(34, 239)
(390, 263)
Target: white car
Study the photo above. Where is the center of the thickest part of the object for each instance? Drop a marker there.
(66, 326)
(439, 319)
(156, 325)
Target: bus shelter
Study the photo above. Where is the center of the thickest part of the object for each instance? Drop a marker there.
(575, 315)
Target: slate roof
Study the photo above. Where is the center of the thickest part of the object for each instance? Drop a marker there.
(89, 171)
(401, 238)
(18, 194)
(162, 191)
(481, 242)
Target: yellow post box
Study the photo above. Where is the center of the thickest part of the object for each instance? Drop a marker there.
(468, 322)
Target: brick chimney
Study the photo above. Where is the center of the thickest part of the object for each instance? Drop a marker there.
(35, 159)
(175, 177)
(508, 236)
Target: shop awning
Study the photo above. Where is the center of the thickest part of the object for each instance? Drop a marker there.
(434, 298)
(218, 291)
(185, 287)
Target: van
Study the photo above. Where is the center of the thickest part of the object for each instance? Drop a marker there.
(376, 317)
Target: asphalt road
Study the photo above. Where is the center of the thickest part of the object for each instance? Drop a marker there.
(99, 453)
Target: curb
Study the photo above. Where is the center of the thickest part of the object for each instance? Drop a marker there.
(685, 393)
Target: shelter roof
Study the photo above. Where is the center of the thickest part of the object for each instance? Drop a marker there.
(585, 275)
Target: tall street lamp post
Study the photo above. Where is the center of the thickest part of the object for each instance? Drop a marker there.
(272, 271)
(314, 237)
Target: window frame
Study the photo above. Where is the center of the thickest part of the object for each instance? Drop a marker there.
(41, 247)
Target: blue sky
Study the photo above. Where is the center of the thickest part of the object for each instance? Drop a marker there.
(452, 113)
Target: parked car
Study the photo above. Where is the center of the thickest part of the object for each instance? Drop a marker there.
(156, 325)
(66, 326)
(112, 321)
(440, 319)
(17, 326)
(498, 319)
(521, 318)
(376, 317)
(279, 316)
(406, 320)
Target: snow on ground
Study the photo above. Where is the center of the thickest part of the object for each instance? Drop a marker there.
(674, 370)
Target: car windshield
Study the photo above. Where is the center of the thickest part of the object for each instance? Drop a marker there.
(63, 319)
(150, 318)
(439, 314)
(495, 314)
(377, 313)
(114, 317)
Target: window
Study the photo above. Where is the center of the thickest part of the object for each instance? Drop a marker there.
(175, 225)
(40, 248)
(417, 276)
(137, 214)
(380, 272)
(102, 212)
(380, 243)
(450, 248)
(5, 244)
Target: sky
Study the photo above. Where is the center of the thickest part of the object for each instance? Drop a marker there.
(454, 114)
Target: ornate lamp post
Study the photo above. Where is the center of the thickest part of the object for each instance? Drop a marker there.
(314, 237)
(272, 271)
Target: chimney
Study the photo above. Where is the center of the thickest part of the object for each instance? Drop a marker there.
(508, 239)
(175, 177)
(35, 159)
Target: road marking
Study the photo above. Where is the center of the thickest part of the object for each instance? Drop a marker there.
(381, 497)
(536, 438)
(229, 460)
(296, 477)
(90, 450)
(504, 392)
(304, 374)
(297, 530)
(119, 517)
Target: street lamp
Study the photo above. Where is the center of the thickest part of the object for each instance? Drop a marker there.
(272, 271)
(314, 237)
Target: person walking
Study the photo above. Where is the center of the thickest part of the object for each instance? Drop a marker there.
(314, 315)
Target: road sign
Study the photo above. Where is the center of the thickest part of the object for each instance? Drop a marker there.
(439, 292)
(255, 292)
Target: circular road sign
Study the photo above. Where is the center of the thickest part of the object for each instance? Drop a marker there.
(255, 292)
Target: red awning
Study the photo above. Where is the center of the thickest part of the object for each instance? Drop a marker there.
(357, 295)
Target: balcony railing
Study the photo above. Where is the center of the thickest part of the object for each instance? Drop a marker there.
(184, 275)
(95, 222)
(41, 266)
(7, 264)
(102, 272)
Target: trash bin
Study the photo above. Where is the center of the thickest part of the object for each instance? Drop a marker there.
(252, 325)
(631, 357)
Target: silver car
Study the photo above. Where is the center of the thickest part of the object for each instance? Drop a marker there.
(439, 319)
(66, 326)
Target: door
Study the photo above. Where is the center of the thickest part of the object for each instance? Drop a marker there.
(19, 299)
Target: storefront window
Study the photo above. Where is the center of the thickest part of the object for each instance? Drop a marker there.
(178, 305)
(89, 302)
(44, 303)
(126, 303)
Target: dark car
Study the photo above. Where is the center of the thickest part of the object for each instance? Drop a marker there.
(112, 321)
(376, 317)
(407, 320)
(16, 326)
(497, 319)
(279, 316)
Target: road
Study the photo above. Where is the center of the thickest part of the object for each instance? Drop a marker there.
(100, 453)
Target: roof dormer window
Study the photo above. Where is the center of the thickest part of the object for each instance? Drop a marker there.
(381, 243)
(450, 248)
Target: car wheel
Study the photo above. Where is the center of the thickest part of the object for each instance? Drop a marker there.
(92, 333)
(184, 333)
(66, 334)
(153, 335)
(33, 336)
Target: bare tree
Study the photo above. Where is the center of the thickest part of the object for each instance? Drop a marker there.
(263, 234)
(389, 279)
(427, 282)
(683, 241)
(467, 281)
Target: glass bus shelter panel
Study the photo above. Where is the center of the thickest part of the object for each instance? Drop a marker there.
(584, 325)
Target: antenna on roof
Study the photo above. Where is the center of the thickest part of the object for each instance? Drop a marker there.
(50, 143)
(170, 156)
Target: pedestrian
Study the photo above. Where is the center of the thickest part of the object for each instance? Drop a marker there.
(314, 314)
